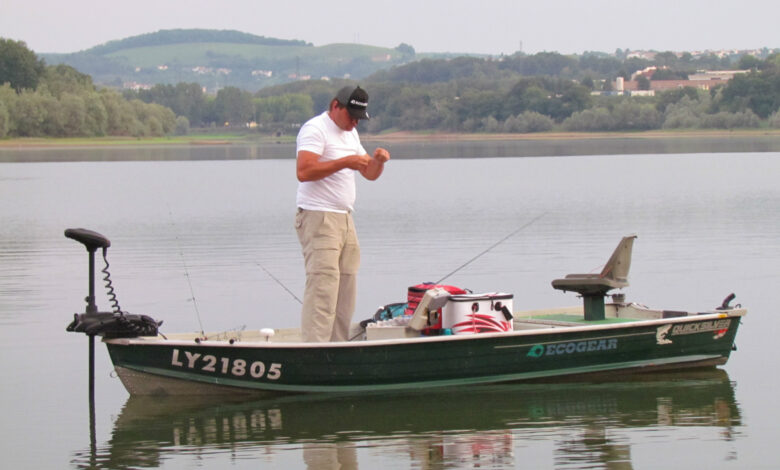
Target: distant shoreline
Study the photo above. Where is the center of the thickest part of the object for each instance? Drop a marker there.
(553, 136)
(75, 142)
(391, 137)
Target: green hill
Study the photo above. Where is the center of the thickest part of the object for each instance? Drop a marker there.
(217, 59)
(182, 36)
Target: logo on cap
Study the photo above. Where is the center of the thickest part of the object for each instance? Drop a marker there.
(355, 100)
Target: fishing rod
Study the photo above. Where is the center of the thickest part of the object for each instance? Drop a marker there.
(528, 224)
(279, 282)
(515, 232)
(186, 271)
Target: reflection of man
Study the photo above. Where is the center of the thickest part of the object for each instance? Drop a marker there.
(328, 455)
(329, 152)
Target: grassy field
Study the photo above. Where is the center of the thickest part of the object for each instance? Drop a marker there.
(204, 54)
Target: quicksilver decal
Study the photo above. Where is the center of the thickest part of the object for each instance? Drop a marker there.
(660, 334)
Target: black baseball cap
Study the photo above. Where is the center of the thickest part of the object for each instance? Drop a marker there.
(356, 101)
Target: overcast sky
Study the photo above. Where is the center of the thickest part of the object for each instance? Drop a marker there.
(486, 26)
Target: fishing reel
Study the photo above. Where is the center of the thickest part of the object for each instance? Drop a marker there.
(114, 324)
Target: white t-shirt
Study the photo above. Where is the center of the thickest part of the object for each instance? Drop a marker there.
(334, 193)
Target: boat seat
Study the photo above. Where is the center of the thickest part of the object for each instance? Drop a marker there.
(594, 287)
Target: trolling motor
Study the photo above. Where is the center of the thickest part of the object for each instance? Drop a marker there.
(114, 324)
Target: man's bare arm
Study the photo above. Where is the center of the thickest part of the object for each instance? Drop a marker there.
(376, 165)
(310, 168)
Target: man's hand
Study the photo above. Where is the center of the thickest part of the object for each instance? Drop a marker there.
(376, 164)
(381, 155)
(358, 162)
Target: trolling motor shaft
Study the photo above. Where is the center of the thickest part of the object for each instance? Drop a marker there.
(92, 241)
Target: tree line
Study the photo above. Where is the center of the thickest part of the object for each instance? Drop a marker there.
(516, 94)
(58, 101)
(470, 94)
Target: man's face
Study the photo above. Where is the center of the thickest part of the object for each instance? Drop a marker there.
(343, 119)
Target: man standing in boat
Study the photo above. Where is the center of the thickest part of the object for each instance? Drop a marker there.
(329, 152)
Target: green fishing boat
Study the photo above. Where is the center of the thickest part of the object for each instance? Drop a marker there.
(446, 340)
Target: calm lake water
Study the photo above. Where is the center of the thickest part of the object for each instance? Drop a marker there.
(209, 244)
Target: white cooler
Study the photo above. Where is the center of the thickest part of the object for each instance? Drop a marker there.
(478, 313)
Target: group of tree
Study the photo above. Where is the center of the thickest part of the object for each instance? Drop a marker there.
(747, 101)
(231, 107)
(520, 93)
(430, 95)
(477, 95)
(58, 101)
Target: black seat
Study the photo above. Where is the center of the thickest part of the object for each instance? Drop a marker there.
(593, 287)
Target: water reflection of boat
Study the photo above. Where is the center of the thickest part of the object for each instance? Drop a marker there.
(470, 423)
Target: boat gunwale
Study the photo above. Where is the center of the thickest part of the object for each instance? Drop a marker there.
(553, 329)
